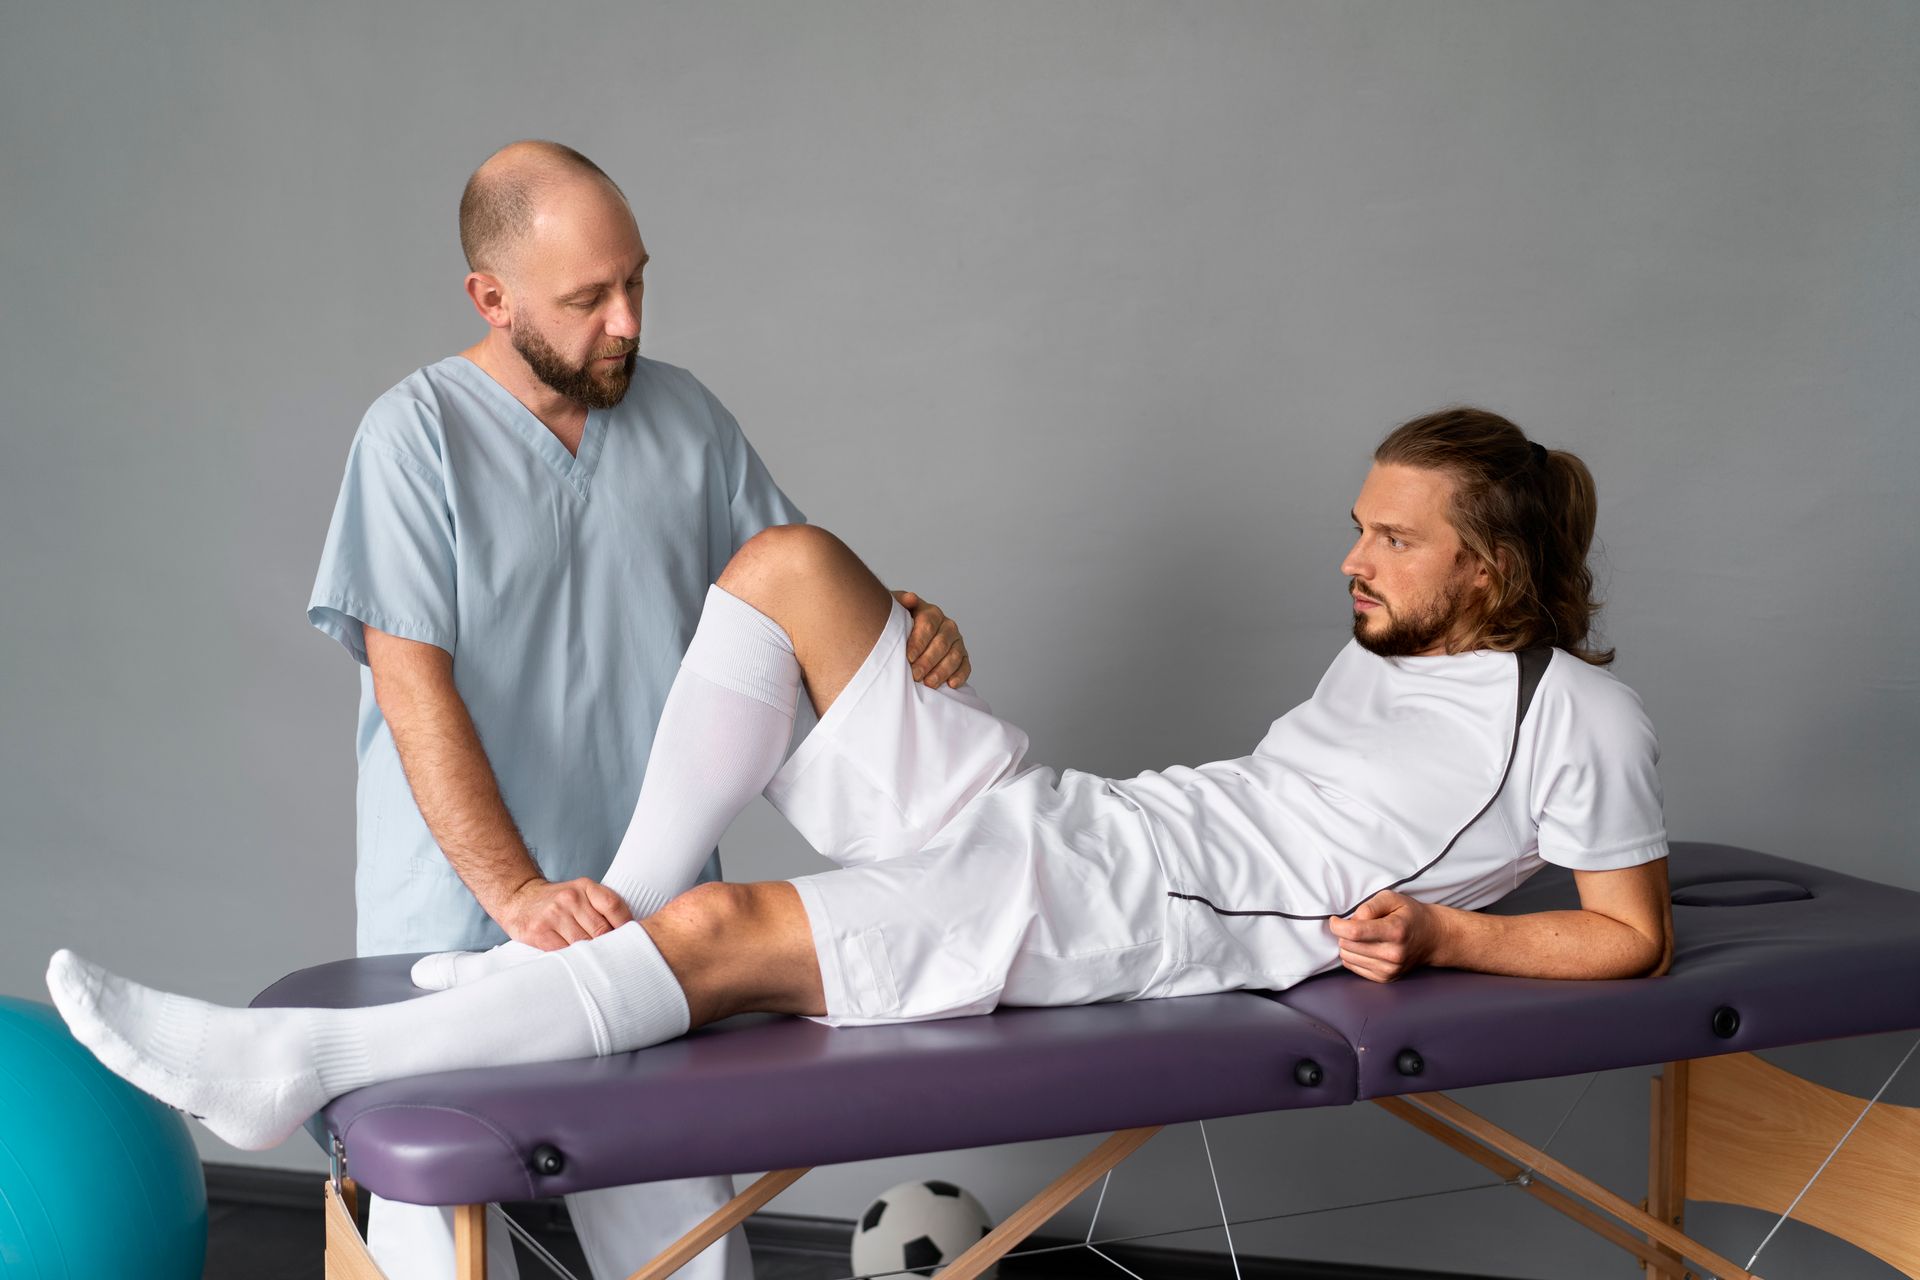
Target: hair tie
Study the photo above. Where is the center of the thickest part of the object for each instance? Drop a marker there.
(1539, 452)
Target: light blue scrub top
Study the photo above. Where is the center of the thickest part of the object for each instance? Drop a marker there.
(565, 587)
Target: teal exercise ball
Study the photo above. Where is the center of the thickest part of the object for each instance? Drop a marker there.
(97, 1180)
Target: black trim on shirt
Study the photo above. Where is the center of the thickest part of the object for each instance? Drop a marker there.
(1531, 665)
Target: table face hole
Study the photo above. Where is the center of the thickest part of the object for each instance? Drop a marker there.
(1739, 893)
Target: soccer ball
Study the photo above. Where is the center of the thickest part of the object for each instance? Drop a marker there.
(919, 1227)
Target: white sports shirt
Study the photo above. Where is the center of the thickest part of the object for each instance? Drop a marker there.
(1363, 785)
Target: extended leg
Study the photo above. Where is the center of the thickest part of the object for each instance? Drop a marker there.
(254, 1075)
(740, 948)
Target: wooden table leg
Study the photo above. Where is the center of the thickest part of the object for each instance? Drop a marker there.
(1032, 1215)
(718, 1223)
(346, 1251)
(470, 1242)
(1667, 1164)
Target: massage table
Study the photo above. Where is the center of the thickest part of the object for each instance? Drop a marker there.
(1768, 953)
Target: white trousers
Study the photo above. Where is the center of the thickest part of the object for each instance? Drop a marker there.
(621, 1229)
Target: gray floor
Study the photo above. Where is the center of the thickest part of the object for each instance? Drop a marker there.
(257, 1242)
(274, 1242)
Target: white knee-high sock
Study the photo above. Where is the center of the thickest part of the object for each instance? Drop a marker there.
(255, 1075)
(722, 736)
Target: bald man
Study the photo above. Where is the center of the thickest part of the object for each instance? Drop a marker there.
(518, 559)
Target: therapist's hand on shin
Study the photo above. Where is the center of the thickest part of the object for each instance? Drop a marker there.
(935, 648)
(549, 915)
(1387, 936)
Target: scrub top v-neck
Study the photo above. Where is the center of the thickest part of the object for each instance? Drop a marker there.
(565, 586)
(575, 468)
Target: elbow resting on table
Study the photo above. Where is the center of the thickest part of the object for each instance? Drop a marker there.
(1653, 954)
(1662, 957)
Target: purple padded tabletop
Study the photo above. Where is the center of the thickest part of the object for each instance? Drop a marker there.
(1767, 952)
(769, 1093)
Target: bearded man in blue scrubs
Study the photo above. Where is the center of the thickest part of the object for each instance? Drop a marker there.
(518, 558)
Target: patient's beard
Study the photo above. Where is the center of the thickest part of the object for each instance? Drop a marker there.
(1410, 634)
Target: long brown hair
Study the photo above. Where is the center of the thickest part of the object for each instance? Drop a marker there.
(1525, 512)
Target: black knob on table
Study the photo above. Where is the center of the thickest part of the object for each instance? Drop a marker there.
(547, 1159)
(1409, 1063)
(1307, 1073)
(1726, 1021)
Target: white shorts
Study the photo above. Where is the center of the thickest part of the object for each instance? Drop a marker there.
(969, 879)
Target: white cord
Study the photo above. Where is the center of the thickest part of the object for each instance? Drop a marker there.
(1548, 1144)
(1095, 1250)
(1094, 1221)
(1043, 1250)
(1831, 1154)
(1225, 1225)
(525, 1237)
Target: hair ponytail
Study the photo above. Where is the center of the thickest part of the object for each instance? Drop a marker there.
(1572, 508)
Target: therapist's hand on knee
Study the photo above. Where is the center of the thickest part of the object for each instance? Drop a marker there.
(550, 915)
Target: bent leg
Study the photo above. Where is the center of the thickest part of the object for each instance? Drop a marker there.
(821, 595)
(892, 762)
(724, 729)
(795, 605)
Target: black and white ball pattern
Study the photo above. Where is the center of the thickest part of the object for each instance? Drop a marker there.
(918, 1227)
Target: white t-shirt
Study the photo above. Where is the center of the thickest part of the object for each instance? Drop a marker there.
(1360, 787)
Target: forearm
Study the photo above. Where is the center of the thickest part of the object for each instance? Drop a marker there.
(454, 786)
(1546, 944)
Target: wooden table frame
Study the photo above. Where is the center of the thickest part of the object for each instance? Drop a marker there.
(1731, 1129)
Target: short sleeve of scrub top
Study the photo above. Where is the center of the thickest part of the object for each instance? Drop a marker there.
(388, 561)
(754, 501)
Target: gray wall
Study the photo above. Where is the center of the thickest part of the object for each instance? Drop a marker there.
(1079, 318)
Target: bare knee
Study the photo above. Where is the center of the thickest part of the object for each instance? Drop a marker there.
(814, 586)
(690, 929)
(779, 556)
(739, 947)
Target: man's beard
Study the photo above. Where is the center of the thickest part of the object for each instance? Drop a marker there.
(581, 385)
(1413, 634)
